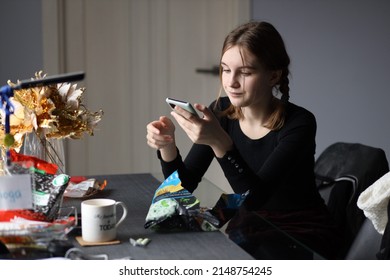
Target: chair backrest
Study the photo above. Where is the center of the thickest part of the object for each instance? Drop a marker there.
(366, 244)
(337, 194)
(343, 171)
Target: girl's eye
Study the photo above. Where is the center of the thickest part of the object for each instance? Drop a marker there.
(246, 73)
(225, 70)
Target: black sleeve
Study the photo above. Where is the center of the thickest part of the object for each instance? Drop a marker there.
(192, 169)
(296, 140)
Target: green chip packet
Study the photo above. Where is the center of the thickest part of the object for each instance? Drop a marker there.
(174, 208)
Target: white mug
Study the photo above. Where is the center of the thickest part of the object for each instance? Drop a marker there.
(98, 219)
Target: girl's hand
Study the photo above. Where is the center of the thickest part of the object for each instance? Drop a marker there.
(205, 130)
(161, 136)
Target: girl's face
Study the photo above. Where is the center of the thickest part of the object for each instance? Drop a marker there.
(245, 81)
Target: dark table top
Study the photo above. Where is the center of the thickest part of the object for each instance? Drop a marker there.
(136, 191)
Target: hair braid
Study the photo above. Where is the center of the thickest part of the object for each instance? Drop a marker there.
(284, 87)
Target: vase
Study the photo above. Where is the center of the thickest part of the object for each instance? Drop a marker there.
(48, 149)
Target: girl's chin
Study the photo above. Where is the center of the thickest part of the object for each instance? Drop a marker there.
(236, 101)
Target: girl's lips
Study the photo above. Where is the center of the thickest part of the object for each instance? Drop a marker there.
(235, 94)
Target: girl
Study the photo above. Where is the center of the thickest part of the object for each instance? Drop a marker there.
(263, 143)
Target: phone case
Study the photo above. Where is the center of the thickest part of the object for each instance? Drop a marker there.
(183, 104)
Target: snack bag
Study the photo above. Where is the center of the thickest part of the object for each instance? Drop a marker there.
(48, 193)
(175, 208)
(47, 190)
(47, 167)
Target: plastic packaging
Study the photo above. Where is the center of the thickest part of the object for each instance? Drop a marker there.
(175, 208)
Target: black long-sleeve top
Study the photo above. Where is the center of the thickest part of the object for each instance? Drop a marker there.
(278, 168)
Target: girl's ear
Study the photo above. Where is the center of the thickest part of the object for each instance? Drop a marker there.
(275, 77)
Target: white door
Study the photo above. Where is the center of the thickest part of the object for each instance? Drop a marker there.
(135, 54)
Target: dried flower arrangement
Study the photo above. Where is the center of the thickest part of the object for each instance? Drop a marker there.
(54, 111)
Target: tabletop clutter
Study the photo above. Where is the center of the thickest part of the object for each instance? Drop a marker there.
(47, 219)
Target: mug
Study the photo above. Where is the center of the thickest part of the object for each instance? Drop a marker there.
(98, 219)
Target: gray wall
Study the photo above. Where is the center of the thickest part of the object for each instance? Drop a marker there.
(21, 39)
(340, 52)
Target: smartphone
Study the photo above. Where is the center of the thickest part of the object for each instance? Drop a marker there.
(183, 104)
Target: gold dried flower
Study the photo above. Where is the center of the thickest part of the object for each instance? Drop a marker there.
(55, 111)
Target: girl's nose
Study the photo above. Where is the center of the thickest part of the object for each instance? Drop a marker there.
(234, 81)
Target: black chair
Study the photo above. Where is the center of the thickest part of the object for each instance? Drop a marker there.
(366, 244)
(343, 171)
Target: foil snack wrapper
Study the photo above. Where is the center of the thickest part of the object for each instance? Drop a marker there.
(47, 191)
(174, 208)
(84, 188)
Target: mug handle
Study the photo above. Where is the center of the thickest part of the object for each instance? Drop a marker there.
(124, 212)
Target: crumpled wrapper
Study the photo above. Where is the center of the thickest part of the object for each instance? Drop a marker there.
(174, 208)
(82, 187)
